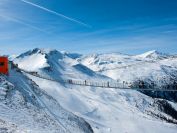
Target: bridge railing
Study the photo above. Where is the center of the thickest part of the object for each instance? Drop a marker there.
(105, 84)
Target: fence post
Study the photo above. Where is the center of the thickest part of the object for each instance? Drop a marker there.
(85, 82)
(123, 83)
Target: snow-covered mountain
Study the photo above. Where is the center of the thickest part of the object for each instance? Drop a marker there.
(150, 66)
(153, 55)
(56, 65)
(25, 108)
(154, 68)
(106, 110)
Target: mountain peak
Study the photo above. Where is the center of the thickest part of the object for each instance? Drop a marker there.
(153, 54)
(50, 52)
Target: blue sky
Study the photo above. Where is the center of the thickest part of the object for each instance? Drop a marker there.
(88, 26)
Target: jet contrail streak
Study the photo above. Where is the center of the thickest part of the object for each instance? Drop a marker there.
(56, 13)
(23, 23)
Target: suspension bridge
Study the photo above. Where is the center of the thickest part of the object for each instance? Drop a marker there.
(107, 84)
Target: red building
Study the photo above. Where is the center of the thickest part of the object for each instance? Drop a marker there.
(4, 65)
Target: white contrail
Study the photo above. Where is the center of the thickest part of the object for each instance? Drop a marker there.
(56, 13)
(23, 23)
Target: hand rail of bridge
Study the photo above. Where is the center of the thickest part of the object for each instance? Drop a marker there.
(97, 84)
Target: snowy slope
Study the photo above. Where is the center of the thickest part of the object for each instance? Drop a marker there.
(25, 107)
(107, 110)
(150, 66)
